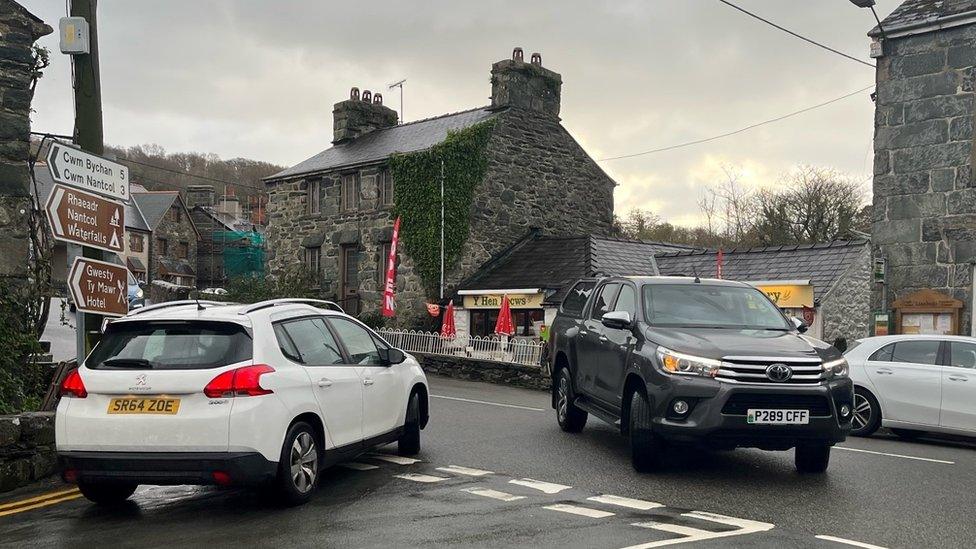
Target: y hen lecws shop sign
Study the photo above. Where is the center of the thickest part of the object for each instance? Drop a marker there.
(494, 301)
(788, 296)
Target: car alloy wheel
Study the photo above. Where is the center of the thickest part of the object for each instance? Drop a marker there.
(304, 462)
(562, 398)
(863, 413)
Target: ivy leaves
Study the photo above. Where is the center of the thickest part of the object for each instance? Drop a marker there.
(417, 197)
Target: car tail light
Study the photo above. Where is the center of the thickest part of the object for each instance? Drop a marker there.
(244, 381)
(221, 478)
(72, 386)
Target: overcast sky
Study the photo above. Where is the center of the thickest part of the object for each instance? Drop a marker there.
(258, 79)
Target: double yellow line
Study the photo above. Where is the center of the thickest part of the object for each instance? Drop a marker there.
(37, 502)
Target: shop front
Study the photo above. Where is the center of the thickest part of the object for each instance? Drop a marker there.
(482, 306)
(796, 299)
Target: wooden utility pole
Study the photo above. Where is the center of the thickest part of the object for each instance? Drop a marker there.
(88, 135)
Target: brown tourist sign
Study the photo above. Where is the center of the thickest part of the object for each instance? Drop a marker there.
(99, 287)
(84, 218)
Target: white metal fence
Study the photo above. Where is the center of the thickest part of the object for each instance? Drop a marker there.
(527, 352)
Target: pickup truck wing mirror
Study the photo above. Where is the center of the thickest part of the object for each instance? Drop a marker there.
(799, 324)
(618, 320)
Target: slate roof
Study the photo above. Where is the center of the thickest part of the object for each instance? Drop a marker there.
(380, 144)
(551, 262)
(822, 264)
(175, 267)
(918, 14)
(133, 216)
(155, 204)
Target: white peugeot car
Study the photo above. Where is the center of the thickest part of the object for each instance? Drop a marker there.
(235, 395)
(913, 384)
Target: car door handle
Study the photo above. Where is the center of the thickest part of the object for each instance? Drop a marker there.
(604, 338)
(325, 383)
(958, 378)
(583, 332)
(884, 371)
(367, 382)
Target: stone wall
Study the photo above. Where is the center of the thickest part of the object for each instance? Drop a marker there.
(924, 195)
(846, 308)
(502, 373)
(174, 231)
(26, 449)
(18, 32)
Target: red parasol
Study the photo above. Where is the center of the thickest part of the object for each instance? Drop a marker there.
(447, 324)
(505, 326)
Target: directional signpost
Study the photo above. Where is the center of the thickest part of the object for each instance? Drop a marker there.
(82, 170)
(99, 287)
(84, 218)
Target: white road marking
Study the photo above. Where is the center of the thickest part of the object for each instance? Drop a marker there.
(489, 403)
(399, 460)
(467, 471)
(690, 534)
(581, 511)
(356, 466)
(849, 449)
(625, 502)
(421, 478)
(493, 494)
(547, 487)
(849, 542)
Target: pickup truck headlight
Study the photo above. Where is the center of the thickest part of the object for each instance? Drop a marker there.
(835, 368)
(679, 363)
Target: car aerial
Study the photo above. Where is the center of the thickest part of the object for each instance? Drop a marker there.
(914, 384)
(264, 395)
(710, 363)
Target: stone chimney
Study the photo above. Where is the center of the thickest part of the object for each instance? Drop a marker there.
(515, 83)
(199, 195)
(360, 115)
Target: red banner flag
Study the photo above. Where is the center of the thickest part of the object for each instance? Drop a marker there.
(389, 301)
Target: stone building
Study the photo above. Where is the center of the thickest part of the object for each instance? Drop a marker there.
(825, 285)
(231, 243)
(19, 29)
(173, 246)
(924, 224)
(333, 212)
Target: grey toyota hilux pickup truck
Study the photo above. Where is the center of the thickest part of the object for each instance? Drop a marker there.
(710, 363)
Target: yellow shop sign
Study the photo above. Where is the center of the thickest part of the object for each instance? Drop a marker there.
(494, 301)
(789, 296)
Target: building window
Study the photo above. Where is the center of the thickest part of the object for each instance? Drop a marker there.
(183, 250)
(384, 256)
(313, 259)
(349, 193)
(174, 213)
(525, 320)
(135, 242)
(349, 283)
(313, 198)
(162, 247)
(386, 188)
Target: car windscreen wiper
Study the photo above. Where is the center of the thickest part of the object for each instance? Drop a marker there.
(129, 363)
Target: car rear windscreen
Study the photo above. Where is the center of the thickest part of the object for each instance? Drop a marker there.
(171, 345)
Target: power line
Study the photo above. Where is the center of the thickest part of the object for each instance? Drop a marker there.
(738, 131)
(801, 37)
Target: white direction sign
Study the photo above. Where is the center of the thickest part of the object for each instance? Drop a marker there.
(87, 171)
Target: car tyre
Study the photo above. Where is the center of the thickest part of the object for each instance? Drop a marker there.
(409, 442)
(571, 418)
(866, 415)
(107, 493)
(906, 434)
(812, 458)
(645, 447)
(298, 466)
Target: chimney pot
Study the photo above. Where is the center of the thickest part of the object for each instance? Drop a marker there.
(367, 96)
(378, 99)
(537, 59)
(517, 54)
(354, 94)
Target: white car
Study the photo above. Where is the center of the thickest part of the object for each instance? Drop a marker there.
(234, 395)
(913, 384)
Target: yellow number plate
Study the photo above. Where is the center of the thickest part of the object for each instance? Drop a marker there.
(165, 406)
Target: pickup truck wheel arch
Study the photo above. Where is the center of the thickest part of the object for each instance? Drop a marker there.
(560, 363)
(632, 384)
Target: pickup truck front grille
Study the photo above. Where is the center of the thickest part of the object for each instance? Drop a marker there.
(739, 403)
(752, 369)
